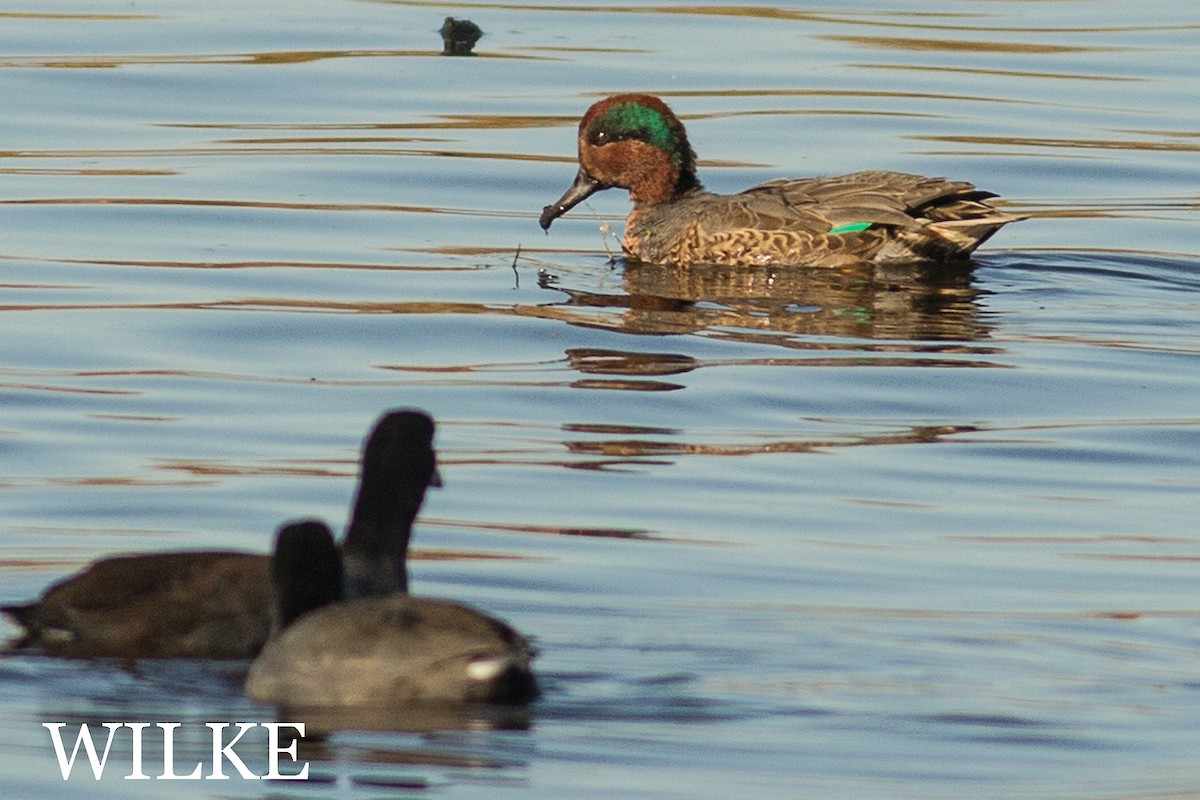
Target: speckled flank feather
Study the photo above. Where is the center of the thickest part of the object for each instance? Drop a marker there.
(791, 222)
(876, 216)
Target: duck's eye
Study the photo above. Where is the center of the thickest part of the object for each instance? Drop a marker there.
(603, 136)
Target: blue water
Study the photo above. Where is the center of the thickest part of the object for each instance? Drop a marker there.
(777, 534)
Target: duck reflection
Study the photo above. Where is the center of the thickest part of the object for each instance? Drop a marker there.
(925, 303)
(628, 451)
(414, 718)
(632, 367)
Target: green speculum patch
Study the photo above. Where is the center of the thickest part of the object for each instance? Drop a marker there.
(853, 227)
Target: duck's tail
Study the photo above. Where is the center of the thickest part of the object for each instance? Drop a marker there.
(944, 240)
(20, 614)
(961, 236)
(503, 674)
(24, 616)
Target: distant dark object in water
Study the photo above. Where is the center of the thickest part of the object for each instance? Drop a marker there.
(459, 37)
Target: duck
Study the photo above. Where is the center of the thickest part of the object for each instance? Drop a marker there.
(217, 604)
(635, 142)
(377, 652)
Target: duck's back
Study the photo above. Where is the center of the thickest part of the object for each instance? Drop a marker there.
(207, 604)
(393, 650)
(848, 219)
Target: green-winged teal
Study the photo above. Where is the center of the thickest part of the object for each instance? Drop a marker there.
(379, 651)
(218, 604)
(635, 142)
